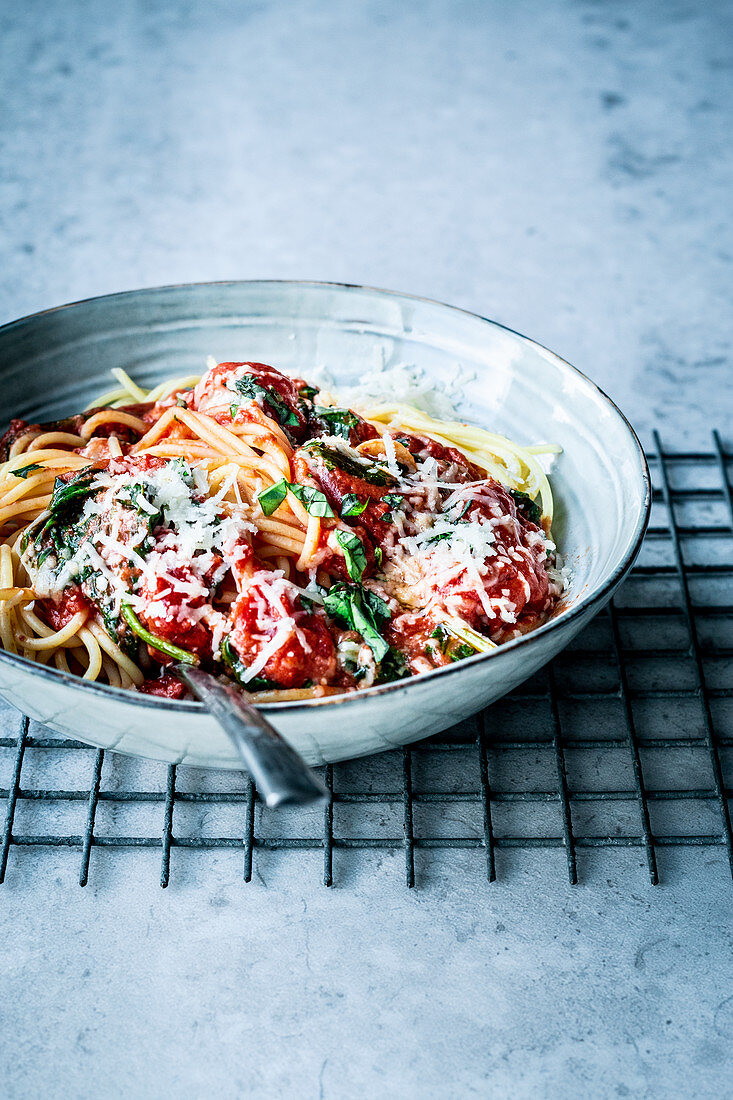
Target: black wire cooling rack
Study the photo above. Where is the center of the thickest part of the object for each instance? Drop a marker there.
(620, 742)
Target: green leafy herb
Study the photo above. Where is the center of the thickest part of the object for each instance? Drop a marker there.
(161, 644)
(237, 669)
(352, 506)
(308, 392)
(68, 495)
(378, 555)
(354, 553)
(249, 388)
(233, 410)
(395, 502)
(442, 636)
(466, 505)
(314, 500)
(438, 538)
(458, 652)
(25, 470)
(271, 499)
(356, 608)
(337, 421)
(531, 510)
(393, 667)
(351, 464)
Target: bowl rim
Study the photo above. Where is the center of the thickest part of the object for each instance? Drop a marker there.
(583, 605)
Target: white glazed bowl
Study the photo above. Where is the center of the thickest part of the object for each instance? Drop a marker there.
(53, 363)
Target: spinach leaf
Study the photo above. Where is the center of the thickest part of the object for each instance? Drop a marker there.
(337, 421)
(25, 470)
(68, 495)
(354, 553)
(236, 669)
(351, 464)
(250, 389)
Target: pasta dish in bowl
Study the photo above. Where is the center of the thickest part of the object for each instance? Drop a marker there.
(368, 562)
(239, 522)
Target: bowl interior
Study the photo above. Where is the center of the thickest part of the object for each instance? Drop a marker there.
(54, 363)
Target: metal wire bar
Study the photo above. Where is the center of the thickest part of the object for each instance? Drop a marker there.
(328, 828)
(562, 782)
(378, 797)
(721, 460)
(696, 654)
(409, 838)
(86, 848)
(486, 798)
(646, 827)
(273, 844)
(249, 827)
(170, 797)
(12, 796)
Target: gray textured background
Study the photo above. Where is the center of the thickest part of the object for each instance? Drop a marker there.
(563, 167)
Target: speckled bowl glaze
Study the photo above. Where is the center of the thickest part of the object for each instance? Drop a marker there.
(53, 363)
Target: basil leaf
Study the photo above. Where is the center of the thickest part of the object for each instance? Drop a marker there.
(355, 608)
(308, 392)
(25, 470)
(377, 606)
(438, 538)
(364, 623)
(378, 555)
(525, 504)
(233, 410)
(458, 652)
(442, 635)
(248, 387)
(337, 602)
(338, 421)
(394, 500)
(271, 499)
(314, 500)
(393, 667)
(354, 553)
(352, 506)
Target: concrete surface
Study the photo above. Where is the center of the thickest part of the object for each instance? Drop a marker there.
(563, 167)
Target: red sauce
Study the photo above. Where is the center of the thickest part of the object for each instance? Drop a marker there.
(293, 664)
(72, 601)
(166, 686)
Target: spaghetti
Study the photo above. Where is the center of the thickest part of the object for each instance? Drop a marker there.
(245, 522)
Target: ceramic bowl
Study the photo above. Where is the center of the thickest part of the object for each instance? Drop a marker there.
(54, 363)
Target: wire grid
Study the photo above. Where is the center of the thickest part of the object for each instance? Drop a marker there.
(620, 742)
